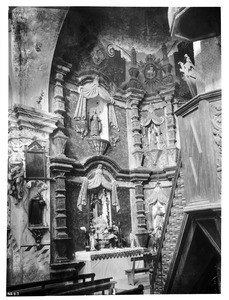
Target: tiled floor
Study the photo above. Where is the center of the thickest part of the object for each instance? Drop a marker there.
(122, 283)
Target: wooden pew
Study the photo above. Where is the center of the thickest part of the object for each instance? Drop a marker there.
(39, 286)
(136, 291)
(90, 288)
(131, 272)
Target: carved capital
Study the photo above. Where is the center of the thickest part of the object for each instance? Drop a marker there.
(61, 164)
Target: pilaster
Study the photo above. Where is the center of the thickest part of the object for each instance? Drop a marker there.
(171, 130)
(59, 167)
(139, 178)
(135, 98)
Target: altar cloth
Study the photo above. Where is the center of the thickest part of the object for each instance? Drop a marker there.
(109, 262)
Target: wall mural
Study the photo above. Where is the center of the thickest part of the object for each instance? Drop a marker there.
(105, 59)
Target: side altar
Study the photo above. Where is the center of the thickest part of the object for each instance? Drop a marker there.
(109, 262)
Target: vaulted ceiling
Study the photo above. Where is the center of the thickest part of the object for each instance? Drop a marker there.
(144, 28)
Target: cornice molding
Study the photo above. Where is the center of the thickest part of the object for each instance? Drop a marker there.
(29, 117)
(202, 208)
(194, 102)
(82, 168)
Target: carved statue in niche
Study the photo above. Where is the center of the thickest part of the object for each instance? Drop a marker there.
(155, 208)
(36, 209)
(87, 92)
(100, 205)
(152, 129)
(95, 125)
(103, 193)
(101, 219)
(37, 205)
(98, 179)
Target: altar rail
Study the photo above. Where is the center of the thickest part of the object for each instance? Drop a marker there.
(109, 253)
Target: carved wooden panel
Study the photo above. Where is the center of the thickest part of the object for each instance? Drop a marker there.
(200, 172)
(35, 161)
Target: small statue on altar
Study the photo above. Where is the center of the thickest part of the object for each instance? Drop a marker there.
(95, 125)
(113, 239)
(132, 240)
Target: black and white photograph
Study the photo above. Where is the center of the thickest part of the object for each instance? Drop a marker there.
(114, 150)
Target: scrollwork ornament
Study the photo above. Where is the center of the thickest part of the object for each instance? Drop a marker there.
(216, 112)
(111, 50)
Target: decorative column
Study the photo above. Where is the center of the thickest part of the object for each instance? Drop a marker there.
(138, 178)
(171, 130)
(61, 69)
(140, 205)
(137, 152)
(60, 166)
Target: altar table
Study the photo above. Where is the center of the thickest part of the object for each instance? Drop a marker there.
(109, 262)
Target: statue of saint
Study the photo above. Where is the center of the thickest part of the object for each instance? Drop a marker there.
(36, 209)
(95, 125)
(158, 214)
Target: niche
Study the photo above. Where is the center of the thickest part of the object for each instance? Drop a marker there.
(100, 210)
(36, 218)
(36, 211)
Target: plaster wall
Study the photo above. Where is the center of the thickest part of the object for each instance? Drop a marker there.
(207, 55)
(33, 32)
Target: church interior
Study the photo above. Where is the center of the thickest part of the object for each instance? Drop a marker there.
(114, 151)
